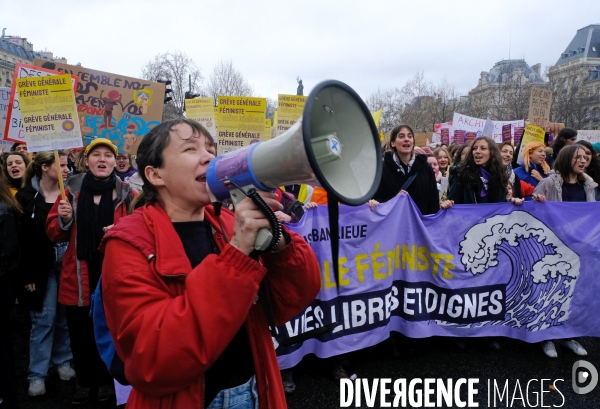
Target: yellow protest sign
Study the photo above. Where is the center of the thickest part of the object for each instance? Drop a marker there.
(49, 113)
(377, 117)
(289, 109)
(202, 110)
(268, 128)
(532, 133)
(241, 121)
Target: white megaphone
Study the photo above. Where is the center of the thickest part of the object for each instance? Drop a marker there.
(334, 144)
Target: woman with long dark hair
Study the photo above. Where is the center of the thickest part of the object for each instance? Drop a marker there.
(565, 137)
(481, 177)
(568, 183)
(39, 273)
(95, 201)
(9, 258)
(592, 166)
(405, 171)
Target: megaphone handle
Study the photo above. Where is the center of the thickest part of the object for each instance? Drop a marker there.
(264, 238)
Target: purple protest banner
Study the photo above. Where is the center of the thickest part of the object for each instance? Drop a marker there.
(470, 137)
(459, 136)
(525, 272)
(519, 134)
(506, 133)
(445, 134)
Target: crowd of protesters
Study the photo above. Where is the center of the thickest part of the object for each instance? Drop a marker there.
(170, 259)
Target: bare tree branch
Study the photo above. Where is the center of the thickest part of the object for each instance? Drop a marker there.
(176, 67)
(226, 80)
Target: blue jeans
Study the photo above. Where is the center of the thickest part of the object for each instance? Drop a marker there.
(241, 397)
(49, 343)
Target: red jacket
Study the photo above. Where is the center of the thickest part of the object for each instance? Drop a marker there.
(74, 286)
(171, 322)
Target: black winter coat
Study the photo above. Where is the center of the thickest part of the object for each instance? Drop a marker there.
(462, 194)
(37, 251)
(9, 248)
(423, 189)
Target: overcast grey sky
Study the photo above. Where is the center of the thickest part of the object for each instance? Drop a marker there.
(367, 44)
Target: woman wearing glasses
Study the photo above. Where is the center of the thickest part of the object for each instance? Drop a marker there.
(124, 169)
(567, 183)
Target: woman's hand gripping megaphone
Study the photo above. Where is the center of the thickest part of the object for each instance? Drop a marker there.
(250, 219)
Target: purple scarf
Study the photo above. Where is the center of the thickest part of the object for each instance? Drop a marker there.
(485, 178)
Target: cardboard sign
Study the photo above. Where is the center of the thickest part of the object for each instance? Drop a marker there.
(539, 107)
(532, 134)
(13, 129)
(112, 106)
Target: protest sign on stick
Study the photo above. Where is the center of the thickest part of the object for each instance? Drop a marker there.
(532, 133)
(539, 107)
(49, 113)
(49, 116)
(13, 128)
(61, 184)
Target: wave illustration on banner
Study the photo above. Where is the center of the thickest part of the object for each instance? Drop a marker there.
(544, 269)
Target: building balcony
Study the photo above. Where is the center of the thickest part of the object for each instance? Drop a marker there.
(7, 64)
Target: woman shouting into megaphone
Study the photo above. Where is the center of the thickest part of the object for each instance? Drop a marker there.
(180, 284)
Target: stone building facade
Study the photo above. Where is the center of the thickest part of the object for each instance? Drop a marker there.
(575, 81)
(15, 49)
